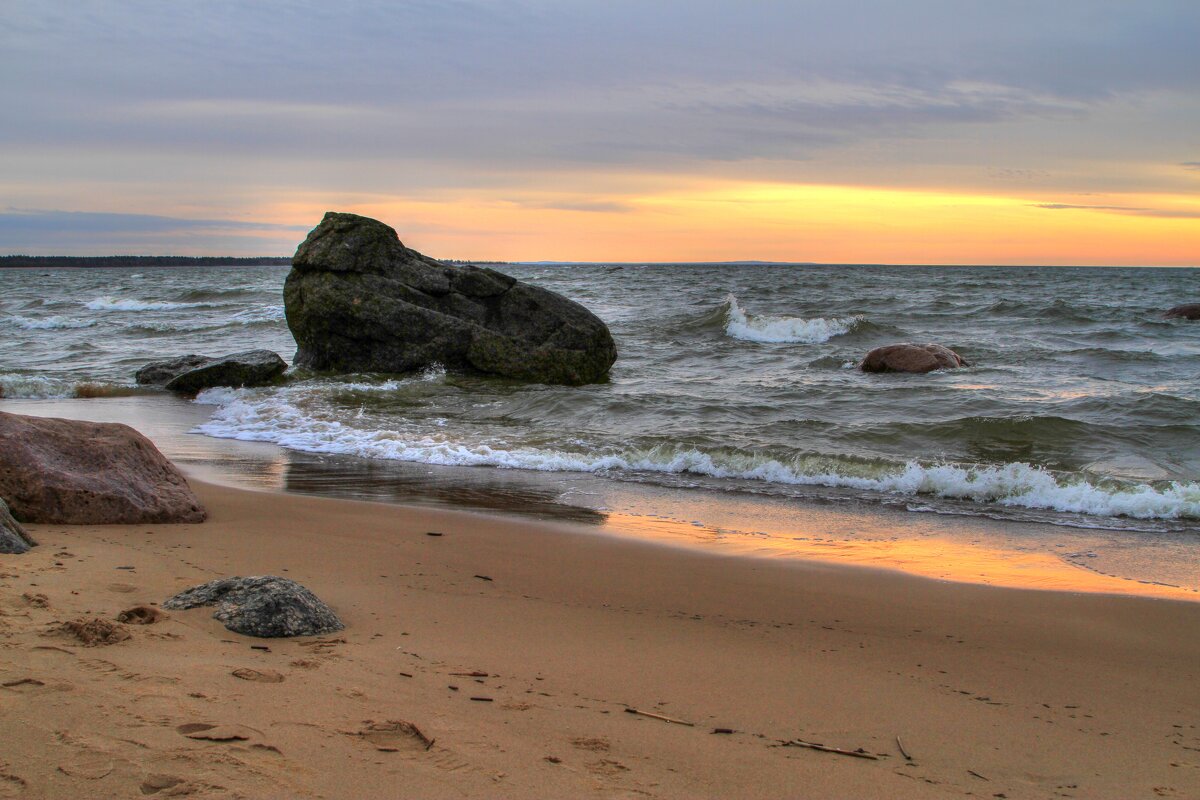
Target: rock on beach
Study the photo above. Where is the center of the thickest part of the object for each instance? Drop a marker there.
(266, 606)
(89, 473)
(358, 300)
(13, 538)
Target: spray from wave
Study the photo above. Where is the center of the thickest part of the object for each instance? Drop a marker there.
(754, 328)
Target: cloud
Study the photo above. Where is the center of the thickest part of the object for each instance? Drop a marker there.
(1167, 213)
(1190, 165)
(592, 206)
(38, 231)
(90, 222)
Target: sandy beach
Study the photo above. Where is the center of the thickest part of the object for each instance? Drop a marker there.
(500, 659)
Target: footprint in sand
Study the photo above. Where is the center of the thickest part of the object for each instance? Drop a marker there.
(595, 744)
(90, 766)
(157, 783)
(394, 735)
(607, 767)
(11, 785)
(258, 675)
(218, 733)
(36, 686)
(122, 588)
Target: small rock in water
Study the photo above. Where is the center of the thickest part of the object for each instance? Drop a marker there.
(13, 538)
(908, 357)
(261, 605)
(1187, 311)
(159, 373)
(252, 368)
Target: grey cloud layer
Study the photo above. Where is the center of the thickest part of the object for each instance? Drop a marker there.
(513, 86)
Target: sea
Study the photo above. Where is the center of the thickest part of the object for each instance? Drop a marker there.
(734, 413)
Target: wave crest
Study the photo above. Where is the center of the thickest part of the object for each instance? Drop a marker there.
(110, 303)
(50, 323)
(783, 330)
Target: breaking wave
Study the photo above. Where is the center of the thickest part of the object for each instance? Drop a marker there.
(50, 323)
(754, 328)
(275, 418)
(110, 303)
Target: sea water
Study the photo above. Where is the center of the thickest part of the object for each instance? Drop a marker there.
(734, 383)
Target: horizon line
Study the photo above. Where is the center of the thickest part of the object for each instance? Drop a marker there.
(552, 262)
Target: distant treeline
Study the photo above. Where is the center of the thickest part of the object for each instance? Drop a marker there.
(47, 262)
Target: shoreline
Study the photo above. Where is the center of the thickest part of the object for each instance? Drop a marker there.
(960, 548)
(1042, 693)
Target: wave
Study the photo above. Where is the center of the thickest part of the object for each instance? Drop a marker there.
(791, 330)
(39, 387)
(110, 303)
(50, 323)
(259, 315)
(247, 416)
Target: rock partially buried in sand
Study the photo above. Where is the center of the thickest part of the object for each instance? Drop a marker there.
(918, 358)
(13, 538)
(252, 368)
(63, 471)
(261, 605)
(1188, 311)
(357, 300)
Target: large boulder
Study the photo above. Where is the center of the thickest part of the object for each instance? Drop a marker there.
(357, 300)
(88, 473)
(261, 605)
(13, 538)
(1187, 311)
(252, 368)
(159, 373)
(911, 358)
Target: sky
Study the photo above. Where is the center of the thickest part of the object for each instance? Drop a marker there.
(923, 131)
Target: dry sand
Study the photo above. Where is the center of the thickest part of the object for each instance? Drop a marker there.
(994, 692)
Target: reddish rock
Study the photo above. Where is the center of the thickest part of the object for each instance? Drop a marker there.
(911, 358)
(89, 473)
(1189, 311)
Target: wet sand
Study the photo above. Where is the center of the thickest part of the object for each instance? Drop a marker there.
(994, 692)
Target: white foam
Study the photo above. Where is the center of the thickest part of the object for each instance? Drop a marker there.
(753, 328)
(275, 418)
(50, 323)
(264, 313)
(34, 387)
(109, 303)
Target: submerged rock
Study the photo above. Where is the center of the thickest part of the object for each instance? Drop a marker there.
(252, 368)
(262, 605)
(1187, 311)
(13, 538)
(909, 357)
(89, 473)
(357, 300)
(158, 373)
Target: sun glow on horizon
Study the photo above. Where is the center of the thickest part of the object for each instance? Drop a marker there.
(786, 222)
